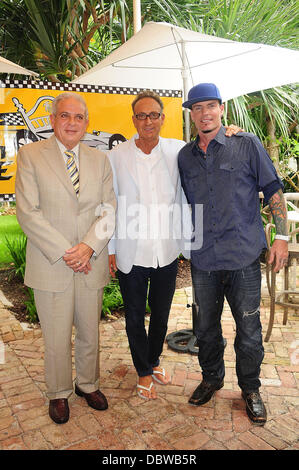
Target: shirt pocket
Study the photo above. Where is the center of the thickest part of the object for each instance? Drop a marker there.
(193, 180)
(230, 172)
(194, 183)
(231, 166)
(228, 180)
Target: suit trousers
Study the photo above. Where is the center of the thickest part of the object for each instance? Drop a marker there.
(58, 312)
(159, 285)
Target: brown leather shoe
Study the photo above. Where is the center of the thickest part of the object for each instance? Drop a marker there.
(59, 410)
(96, 400)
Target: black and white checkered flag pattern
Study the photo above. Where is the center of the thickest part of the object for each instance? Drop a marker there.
(80, 87)
(11, 119)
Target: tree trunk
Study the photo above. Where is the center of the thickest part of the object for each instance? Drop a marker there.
(273, 146)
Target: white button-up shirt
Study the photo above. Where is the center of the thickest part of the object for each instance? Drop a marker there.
(156, 197)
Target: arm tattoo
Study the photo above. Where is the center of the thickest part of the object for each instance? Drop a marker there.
(279, 212)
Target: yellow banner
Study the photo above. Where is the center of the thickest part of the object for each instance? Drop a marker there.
(24, 117)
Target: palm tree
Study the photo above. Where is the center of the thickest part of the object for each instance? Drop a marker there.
(61, 39)
(271, 114)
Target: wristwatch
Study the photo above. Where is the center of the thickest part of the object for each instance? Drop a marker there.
(286, 238)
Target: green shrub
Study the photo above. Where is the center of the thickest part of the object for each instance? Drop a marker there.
(112, 298)
(9, 227)
(17, 249)
(31, 308)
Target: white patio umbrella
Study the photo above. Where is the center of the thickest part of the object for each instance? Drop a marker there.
(6, 66)
(164, 56)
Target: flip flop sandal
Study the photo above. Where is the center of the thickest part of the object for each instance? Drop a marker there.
(159, 372)
(148, 389)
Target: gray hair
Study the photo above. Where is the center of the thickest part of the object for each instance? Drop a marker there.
(65, 96)
(148, 94)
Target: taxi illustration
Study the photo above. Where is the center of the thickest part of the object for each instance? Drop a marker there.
(23, 127)
(38, 128)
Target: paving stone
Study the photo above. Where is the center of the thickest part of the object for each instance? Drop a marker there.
(182, 432)
(14, 443)
(90, 424)
(53, 435)
(270, 438)
(193, 442)
(168, 423)
(87, 444)
(241, 423)
(6, 421)
(23, 397)
(288, 435)
(217, 424)
(237, 444)
(130, 439)
(109, 438)
(254, 442)
(5, 411)
(213, 445)
(73, 432)
(171, 423)
(34, 440)
(35, 422)
(13, 429)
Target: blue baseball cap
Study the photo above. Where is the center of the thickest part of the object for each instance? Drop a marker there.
(202, 92)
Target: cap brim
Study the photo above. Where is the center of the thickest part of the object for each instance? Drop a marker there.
(189, 103)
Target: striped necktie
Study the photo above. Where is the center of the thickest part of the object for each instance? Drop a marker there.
(72, 169)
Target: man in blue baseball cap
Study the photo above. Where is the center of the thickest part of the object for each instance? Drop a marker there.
(202, 92)
(224, 176)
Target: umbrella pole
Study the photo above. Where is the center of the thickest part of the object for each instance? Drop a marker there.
(185, 89)
(187, 125)
(136, 15)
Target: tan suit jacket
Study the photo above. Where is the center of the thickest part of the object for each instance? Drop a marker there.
(55, 219)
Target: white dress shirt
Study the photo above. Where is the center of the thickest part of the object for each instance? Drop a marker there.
(128, 186)
(156, 197)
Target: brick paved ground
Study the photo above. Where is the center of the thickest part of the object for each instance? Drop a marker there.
(168, 423)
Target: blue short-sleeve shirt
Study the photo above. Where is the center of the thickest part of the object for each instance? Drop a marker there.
(226, 181)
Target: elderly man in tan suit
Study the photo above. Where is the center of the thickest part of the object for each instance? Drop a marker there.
(65, 205)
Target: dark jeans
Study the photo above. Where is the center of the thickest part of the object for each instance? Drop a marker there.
(242, 290)
(159, 285)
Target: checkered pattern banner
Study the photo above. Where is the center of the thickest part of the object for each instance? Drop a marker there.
(43, 85)
(7, 197)
(11, 119)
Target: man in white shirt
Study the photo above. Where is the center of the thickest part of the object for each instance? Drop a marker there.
(149, 235)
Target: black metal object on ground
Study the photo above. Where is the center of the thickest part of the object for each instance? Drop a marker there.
(185, 340)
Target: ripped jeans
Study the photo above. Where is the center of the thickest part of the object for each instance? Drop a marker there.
(242, 289)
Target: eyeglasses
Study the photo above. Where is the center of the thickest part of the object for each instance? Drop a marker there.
(142, 116)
